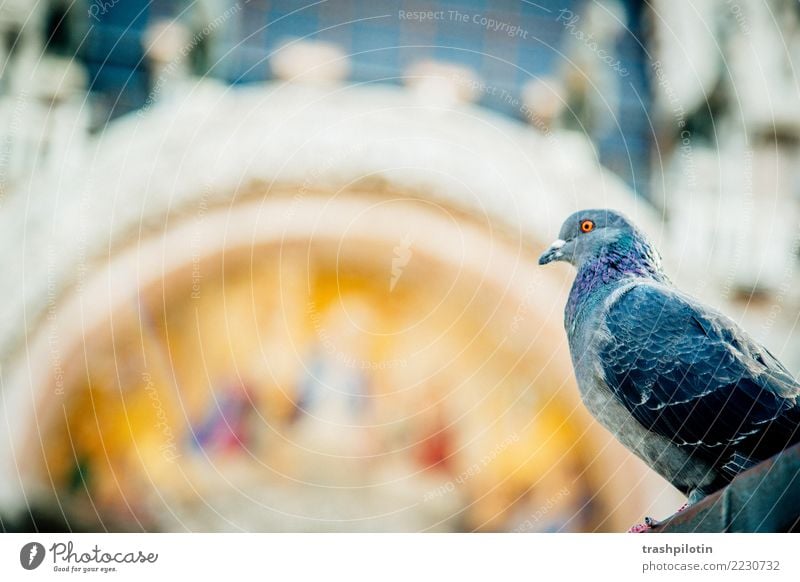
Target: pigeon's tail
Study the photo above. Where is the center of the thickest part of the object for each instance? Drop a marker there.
(736, 464)
(774, 436)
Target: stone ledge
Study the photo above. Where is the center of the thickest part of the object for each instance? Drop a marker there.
(765, 498)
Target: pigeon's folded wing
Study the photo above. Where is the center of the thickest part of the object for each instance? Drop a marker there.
(693, 376)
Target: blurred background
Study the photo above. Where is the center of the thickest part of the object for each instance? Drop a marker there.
(271, 266)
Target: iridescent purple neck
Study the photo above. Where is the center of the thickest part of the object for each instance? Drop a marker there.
(636, 259)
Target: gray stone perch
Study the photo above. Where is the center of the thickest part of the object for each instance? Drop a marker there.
(765, 498)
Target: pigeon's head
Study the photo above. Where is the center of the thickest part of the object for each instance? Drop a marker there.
(589, 234)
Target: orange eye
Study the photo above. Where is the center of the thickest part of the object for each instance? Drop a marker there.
(587, 226)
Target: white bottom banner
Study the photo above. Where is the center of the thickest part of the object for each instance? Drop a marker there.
(617, 557)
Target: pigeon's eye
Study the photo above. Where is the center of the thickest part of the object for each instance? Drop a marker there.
(587, 226)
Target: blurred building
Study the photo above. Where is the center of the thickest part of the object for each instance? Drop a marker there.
(272, 268)
(727, 119)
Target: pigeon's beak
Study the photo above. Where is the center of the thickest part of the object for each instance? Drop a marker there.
(553, 253)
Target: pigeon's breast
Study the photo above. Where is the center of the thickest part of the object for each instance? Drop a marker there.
(672, 462)
(662, 455)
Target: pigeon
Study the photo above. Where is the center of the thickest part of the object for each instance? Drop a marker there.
(678, 383)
